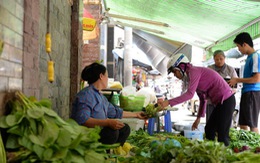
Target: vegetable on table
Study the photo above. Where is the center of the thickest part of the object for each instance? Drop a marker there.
(151, 110)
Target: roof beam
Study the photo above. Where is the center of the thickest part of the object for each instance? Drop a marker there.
(140, 27)
(136, 19)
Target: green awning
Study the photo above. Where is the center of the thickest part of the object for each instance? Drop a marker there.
(228, 43)
(208, 24)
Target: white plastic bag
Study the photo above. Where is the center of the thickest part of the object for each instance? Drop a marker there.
(150, 96)
(129, 90)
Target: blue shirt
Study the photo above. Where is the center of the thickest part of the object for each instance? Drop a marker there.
(252, 66)
(89, 102)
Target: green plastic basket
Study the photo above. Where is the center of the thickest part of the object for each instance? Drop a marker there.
(131, 103)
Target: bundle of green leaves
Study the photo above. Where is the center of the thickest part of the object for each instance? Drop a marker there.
(242, 140)
(164, 147)
(37, 134)
(151, 110)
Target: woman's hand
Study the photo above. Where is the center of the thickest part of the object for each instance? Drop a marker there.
(141, 115)
(163, 104)
(195, 124)
(115, 124)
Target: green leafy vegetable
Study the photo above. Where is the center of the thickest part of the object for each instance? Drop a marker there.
(43, 136)
(151, 110)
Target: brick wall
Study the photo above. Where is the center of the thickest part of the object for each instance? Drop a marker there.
(11, 59)
(91, 50)
(60, 29)
(31, 71)
(23, 63)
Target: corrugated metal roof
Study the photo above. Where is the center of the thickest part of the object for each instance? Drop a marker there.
(201, 23)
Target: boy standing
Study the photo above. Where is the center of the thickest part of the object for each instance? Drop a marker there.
(249, 104)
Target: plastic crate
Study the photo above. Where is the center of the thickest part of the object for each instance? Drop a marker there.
(193, 134)
(131, 103)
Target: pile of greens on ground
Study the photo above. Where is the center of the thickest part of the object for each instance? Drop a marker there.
(37, 134)
(166, 148)
(242, 140)
(2, 150)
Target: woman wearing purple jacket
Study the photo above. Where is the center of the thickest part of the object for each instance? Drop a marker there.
(208, 84)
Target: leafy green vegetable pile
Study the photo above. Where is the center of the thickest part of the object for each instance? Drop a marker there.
(37, 134)
(242, 140)
(156, 148)
(2, 151)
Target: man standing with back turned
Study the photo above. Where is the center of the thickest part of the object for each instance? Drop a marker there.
(249, 104)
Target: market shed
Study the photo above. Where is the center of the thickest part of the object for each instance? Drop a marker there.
(208, 24)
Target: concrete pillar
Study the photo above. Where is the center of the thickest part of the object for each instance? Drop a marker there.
(128, 60)
(103, 43)
(75, 53)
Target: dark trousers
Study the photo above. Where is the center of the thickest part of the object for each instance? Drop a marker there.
(220, 120)
(210, 108)
(110, 136)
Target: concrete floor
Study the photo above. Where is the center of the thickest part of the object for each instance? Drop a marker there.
(184, 116)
